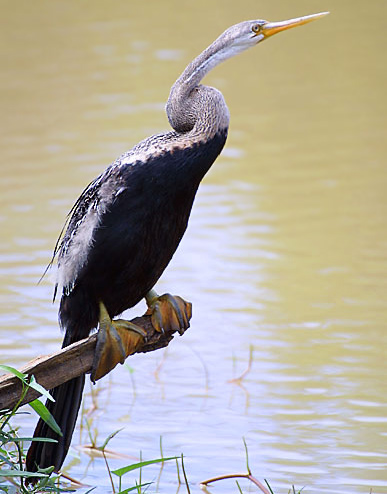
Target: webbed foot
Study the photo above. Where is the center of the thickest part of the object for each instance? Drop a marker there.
(168, 312)
(115, 341)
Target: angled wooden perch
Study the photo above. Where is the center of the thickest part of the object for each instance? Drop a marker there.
(72, 361)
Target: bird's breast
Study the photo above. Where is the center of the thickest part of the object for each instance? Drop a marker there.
(122, 246)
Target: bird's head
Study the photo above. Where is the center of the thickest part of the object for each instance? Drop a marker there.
(234, 40)
(246, 34)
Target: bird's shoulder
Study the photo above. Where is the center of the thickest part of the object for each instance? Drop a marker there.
(96, 200)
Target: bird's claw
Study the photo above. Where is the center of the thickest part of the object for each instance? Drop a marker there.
(115, 341)
(169, 313)
(122, 325)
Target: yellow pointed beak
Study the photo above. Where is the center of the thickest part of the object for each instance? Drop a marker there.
(271, 28)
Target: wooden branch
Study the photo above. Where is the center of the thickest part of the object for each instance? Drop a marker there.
(77, 359)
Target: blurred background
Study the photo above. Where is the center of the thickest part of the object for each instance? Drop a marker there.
(285, 256)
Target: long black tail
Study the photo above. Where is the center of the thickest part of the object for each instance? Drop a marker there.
(68, 397)
(78, 313)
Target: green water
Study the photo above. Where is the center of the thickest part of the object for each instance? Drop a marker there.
(286, 248)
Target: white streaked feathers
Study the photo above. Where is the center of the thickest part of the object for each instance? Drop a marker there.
(95, 200)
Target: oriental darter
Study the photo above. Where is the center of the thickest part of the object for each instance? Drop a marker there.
(125, 227)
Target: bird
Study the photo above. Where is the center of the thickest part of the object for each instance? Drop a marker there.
(127, 224)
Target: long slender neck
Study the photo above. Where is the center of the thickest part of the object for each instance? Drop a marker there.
(192, 107)
(204, 63)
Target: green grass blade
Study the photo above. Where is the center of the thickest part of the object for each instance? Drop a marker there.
(135, 488)
(44, 414)
(184, 474)
(4, 459)
(20, 473)
(247, 456)
(239, 487)
(37, 387)
(15, 372)
(31, 382)
(122, 471)
(40, 439)
(268, 485)
(110, 436)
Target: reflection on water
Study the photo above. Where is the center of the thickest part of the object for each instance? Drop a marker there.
(285, 252)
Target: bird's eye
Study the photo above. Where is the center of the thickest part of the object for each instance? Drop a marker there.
(256, 28)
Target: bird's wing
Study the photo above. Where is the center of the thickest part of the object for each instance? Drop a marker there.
(76, 237)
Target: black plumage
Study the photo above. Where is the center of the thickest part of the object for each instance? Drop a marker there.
(137, 235)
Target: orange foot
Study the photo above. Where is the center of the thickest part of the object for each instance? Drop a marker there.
(168, 312)
(115, 341)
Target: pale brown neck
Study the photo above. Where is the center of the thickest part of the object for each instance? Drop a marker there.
(192, 107)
